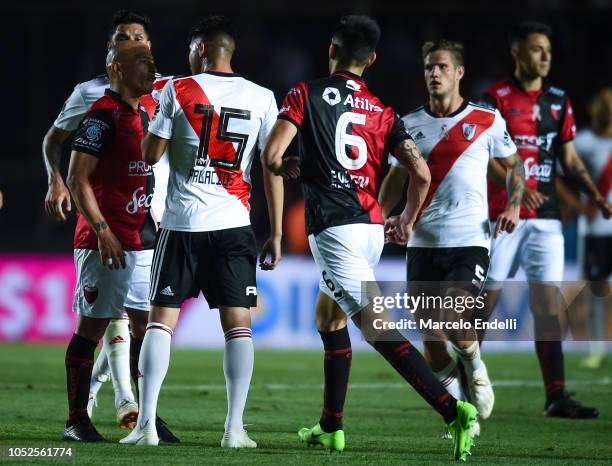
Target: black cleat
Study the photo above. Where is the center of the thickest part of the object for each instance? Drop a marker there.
(569, 408)
(82, 431)
(163, 432)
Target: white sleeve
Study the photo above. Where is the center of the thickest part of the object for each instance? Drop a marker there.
(501, 144)
(162, 122)
(73, 111)
(267, 123)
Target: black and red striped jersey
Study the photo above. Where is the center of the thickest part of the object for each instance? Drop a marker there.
(539, 122)
(122, 183)
(344, 133)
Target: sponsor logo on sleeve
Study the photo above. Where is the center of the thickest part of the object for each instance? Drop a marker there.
(93, 132)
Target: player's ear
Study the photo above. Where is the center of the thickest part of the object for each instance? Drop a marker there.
(460, 72)
(202, 49)
(333, 51)
(116, 67)
(514, 51)
(371, 60)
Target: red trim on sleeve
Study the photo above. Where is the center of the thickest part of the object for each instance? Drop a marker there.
(294, 104)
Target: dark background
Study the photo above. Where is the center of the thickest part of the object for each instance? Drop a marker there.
(49, 47)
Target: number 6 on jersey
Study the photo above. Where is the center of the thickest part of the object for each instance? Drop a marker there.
(344, 139)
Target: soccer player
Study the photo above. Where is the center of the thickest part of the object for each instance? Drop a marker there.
(211, 123)
(345, 131)
(120, 351)
(595, 147)
(449, 246)
(541, 123)
(114, 233)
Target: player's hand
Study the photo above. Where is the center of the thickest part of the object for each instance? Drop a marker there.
(398, 229)
(533, 199)
(111, 251)
(272, 246)
(1, 200)
(57, 199)
(291, 168)
(507, 221)
(604, 207)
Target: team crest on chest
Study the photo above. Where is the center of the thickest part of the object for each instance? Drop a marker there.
(468, 130)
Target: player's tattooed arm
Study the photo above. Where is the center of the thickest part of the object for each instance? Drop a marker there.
(575, 170)
(515, 180)
(409, 154)
(81, 167)
(398, 229)
(99, 226)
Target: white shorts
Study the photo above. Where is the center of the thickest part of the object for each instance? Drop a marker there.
(104, 293)
(346, 256)
(536, 246)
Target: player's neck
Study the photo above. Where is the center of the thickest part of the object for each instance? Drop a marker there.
(445, 105)
(528, 83)
(217, 66)
(358, 70)
(126, 96)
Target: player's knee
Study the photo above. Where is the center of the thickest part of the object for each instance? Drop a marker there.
(90, 328)
(232, 317)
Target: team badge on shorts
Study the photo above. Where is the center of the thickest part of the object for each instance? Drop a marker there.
(469, 130)
(90, 293)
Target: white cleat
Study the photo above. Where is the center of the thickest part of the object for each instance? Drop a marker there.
(127, 414)
(236, 439)
(482, 392)
(92, 402)
(147, 436)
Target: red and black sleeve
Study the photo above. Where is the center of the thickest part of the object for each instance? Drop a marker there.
(397, 134)
(94, 134)
(294, 105)
(568, 125)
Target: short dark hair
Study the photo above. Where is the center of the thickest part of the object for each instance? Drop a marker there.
(213, 26)
(455, 48)
(128, 17)
(356, 37)
(520, 31)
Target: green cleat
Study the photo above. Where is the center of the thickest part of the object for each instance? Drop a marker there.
(332, 441)
(461, 429)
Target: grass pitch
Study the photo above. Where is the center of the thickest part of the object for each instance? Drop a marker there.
(385, 421)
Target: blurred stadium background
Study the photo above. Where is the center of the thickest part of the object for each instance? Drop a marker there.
(51, 46)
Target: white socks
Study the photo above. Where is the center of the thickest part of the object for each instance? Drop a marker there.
(100, 372)
(153, 365)
(449, 376)
(117, 346)
(238, 369)
(470, 357)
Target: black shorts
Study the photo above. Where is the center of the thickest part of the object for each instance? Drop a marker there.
(597, 257)
(220, 263)
(463, 267)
